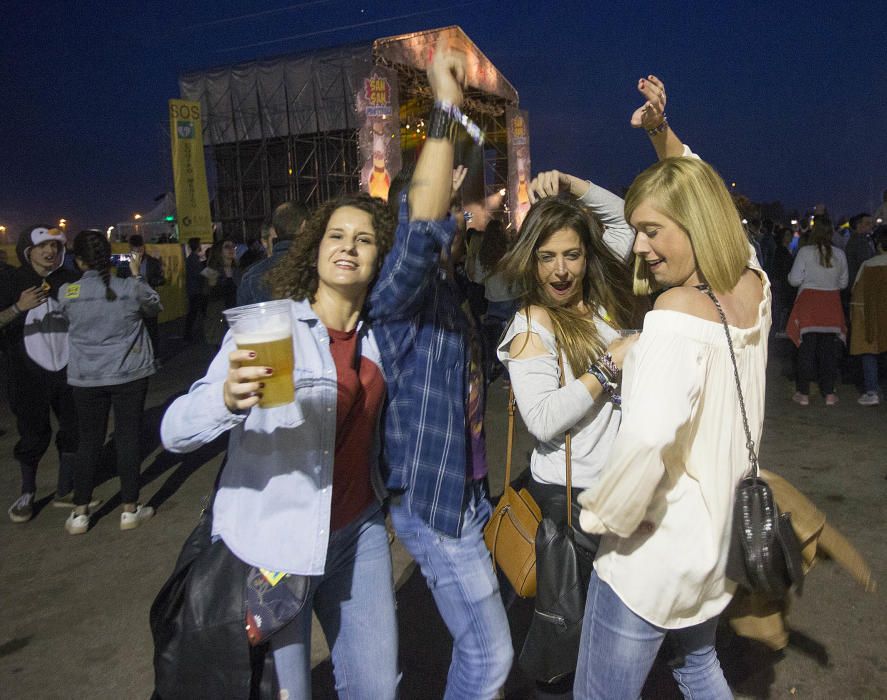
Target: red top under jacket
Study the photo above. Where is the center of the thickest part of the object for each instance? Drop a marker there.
(361, 392)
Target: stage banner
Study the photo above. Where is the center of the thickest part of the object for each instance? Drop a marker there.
(189, 170)
(518, 164)
(378, 114)
(417, 48)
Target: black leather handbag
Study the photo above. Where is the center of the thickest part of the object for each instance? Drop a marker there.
(551, 648)
(764, 555)
(197, 621)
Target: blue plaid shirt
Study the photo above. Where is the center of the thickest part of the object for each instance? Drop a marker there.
(422, 332)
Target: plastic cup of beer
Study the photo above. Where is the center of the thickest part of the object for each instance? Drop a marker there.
(267, 330)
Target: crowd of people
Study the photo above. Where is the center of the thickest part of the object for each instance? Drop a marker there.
(606, 314)
(819, 299)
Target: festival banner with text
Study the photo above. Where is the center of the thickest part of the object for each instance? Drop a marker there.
(518, 164)
(189, 170)
(378, 114)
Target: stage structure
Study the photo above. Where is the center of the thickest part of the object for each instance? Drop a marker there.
(312, 126)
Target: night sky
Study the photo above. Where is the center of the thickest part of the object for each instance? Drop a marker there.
(789, 100)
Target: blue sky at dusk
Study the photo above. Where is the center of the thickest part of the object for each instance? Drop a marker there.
(789, 100)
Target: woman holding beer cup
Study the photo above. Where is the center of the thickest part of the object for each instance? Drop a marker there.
(300, 493)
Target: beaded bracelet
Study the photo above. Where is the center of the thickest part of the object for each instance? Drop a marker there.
(659, 128)
(608, 386)
(474, 131)
(609, 366)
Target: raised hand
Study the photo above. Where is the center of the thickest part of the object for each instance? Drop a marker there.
(552, 182)
(446, 73)
(243, 386)
(459, 173)
(650, 114)
(619, 348)
(135, 264)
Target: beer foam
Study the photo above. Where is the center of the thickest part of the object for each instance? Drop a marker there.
(266, 336)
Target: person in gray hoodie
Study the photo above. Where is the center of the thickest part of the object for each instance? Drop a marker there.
(111, 360)
(34, 338)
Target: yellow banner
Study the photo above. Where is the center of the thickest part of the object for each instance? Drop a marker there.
(189, 171)
(172, 292)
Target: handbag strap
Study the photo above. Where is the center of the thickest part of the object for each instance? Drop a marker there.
(510, 442)
(749, 443)
(567, 446)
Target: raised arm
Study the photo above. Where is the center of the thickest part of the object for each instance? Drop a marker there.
(432, 182)
(651, 117)
(418, 242)
(607, 207)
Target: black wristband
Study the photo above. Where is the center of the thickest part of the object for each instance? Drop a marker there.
(441, 125)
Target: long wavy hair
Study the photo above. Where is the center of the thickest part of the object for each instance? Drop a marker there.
(94, 250)
(215, 259)
(821, 237)
(493, 245)
(606, 284)
(692, 194)
(295, 276)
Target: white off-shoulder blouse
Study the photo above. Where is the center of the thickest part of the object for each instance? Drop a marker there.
(678, 455)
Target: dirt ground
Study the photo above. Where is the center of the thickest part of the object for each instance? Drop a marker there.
(75, 609)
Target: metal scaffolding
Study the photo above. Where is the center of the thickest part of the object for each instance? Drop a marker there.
(287, 127)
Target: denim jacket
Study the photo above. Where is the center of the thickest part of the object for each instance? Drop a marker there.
(273, 504)
(108, 341)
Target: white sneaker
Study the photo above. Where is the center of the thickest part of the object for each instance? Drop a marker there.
(870, 398)
(23, 509)
(130, 521)
(77, 524)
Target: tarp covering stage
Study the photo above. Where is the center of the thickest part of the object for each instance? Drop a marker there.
(282, 96)
(313, 92)
(311, 126)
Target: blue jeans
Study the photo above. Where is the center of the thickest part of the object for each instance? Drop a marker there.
(870, 373)
(460, 574)
(618, 649)
(354, 602)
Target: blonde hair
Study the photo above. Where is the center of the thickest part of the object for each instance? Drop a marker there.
(692, 194)
(606, 283)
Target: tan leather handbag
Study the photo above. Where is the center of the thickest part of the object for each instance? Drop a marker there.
(510, 535)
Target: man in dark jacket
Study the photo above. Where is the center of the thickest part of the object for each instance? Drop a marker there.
(151, 271)
(286, 223)
(35, 337)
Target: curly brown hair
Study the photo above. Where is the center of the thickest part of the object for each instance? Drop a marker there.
(295, 276)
